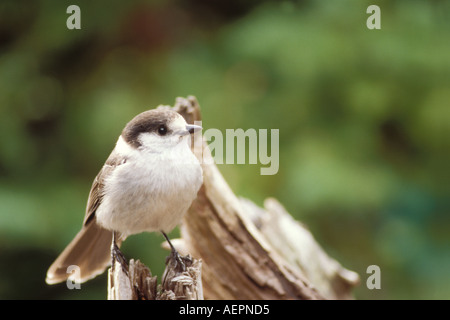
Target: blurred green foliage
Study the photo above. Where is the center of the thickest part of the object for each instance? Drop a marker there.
(364, 123)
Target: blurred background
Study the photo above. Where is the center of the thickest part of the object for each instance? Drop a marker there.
(364, 120)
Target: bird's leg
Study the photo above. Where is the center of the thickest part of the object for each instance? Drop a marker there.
(176, 255)
(117, 255)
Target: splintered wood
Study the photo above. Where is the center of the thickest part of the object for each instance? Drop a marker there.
(137, 283)
(246, 252)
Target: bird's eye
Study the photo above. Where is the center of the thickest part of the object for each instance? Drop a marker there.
(162, 130)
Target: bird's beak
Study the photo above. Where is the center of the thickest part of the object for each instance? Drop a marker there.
(192, 127)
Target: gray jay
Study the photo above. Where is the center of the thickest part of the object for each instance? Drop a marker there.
(147, 183)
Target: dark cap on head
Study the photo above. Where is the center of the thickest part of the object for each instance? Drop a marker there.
(148, 121)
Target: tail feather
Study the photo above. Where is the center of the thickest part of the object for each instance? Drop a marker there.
(89, 250)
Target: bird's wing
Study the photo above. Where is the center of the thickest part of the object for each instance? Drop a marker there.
(97, 190)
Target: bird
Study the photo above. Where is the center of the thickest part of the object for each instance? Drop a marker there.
(147, 184)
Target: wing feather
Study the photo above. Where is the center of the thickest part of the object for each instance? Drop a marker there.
(98, 186)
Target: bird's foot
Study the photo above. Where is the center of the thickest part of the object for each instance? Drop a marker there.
(180, 263)
(117, 255)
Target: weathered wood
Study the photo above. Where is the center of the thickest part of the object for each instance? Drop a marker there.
(182, 285)
(297, 246)
(139, 284)
(119, 285)
(250, 252)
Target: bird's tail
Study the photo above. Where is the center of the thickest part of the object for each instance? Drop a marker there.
(88, 253)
